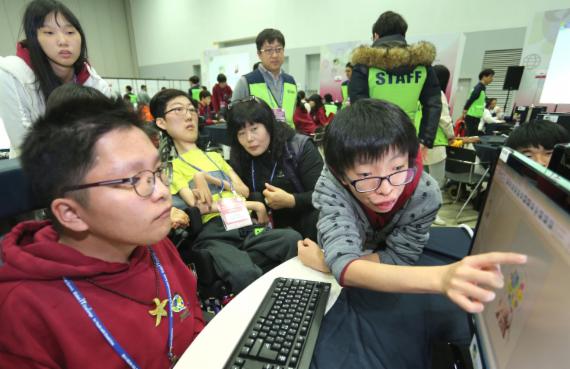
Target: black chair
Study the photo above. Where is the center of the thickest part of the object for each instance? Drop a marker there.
(16, 200)
(460, 166)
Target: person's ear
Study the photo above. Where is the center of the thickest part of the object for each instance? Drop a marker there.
(375, 36)
(161, 123)
(68, 213)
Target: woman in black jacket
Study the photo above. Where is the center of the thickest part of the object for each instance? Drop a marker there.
(279, 166)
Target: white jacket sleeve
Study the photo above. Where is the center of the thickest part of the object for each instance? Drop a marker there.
(14, 111)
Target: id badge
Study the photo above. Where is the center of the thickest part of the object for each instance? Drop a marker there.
(279, 114)
(234, 213)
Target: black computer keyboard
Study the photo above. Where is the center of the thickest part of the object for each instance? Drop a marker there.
(283, 332)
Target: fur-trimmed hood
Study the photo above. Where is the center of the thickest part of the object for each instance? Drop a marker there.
(392, 55)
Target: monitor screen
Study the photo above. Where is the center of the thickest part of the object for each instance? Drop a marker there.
(528, 323)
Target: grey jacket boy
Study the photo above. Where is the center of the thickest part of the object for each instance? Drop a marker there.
(345, 233)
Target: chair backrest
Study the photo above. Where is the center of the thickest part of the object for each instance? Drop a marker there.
(459, 160)
(16, 195)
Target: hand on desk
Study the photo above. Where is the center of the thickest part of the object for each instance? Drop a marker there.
(311, 255)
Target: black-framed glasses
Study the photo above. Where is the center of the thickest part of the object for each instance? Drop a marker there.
(244, 100)
(277, 50)
(182, 110)
(398, 178)
(143, 182)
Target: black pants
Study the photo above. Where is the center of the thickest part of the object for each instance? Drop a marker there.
(240, 258)
(373, 330)
(472, 125)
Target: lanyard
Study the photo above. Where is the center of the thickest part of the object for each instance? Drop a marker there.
(106, 334)
(253, 174)
(224, 177)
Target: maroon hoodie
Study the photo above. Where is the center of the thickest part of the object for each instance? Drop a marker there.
(43, 326)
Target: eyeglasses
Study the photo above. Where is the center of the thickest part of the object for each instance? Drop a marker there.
(182, 110)
(277, 50)
(244, 100)
(143, 182)
(398, 178)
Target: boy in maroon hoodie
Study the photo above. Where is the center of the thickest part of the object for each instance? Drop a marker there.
(99, 285)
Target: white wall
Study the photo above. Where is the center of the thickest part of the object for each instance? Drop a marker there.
(170, 31)
(105, 23)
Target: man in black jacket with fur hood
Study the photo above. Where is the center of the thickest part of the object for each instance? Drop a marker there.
(400, 73)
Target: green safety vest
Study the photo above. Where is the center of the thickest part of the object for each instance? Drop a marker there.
(330, 108)
(196, 93)
(478, 107)
(258, 87)
(403, 90)
(133, 98)
(440, 137)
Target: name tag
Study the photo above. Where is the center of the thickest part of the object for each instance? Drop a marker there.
(234, 213)
(279, 114)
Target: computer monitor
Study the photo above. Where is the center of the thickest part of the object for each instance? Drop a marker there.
(527, 325)
(535, 111)
(560, 160)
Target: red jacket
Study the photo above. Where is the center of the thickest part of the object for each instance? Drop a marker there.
(304, 122)
(221, 95)
(320, 117)
(43, 326)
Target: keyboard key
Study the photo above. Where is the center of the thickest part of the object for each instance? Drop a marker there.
(267, 353)
(256, 346)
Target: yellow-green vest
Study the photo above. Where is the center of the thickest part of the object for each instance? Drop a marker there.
(344, 92)
(478, 107)
(258, 87)
(330, 108)
(440, 137)
(195, 92)
(400, 89)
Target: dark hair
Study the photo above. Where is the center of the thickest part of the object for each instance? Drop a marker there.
(328, 98)
(488, 101)
(366, 131)
(390, 23)
(255, 111)
(204, 94)
(486, 72)
(538, 133)
(59, 149)
(194, 79)
(143, 87)
(269, 35)
(222, 78)
(69, 91)
(318, 100)
(256, 65)
(348, 65)
(300, 103)
(157, 107)
(33, 19)
(128, 88)
(442, 74)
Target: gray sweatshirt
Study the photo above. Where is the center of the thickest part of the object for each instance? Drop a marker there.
(346, 234)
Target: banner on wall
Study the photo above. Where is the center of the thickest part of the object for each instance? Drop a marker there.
(335, 56)
(538, 47)
(234, 62)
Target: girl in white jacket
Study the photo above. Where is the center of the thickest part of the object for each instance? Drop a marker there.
(54, 52)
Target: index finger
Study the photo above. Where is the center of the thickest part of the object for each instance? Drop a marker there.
(494, 258)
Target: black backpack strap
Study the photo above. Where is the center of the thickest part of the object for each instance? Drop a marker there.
(291, 157)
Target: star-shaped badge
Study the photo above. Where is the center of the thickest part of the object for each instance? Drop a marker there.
(159, 311)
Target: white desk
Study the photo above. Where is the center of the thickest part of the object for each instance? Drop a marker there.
(214, 345)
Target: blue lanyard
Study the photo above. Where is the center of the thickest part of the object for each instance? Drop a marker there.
(203, 171)
(107, 335)
(253, 174)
